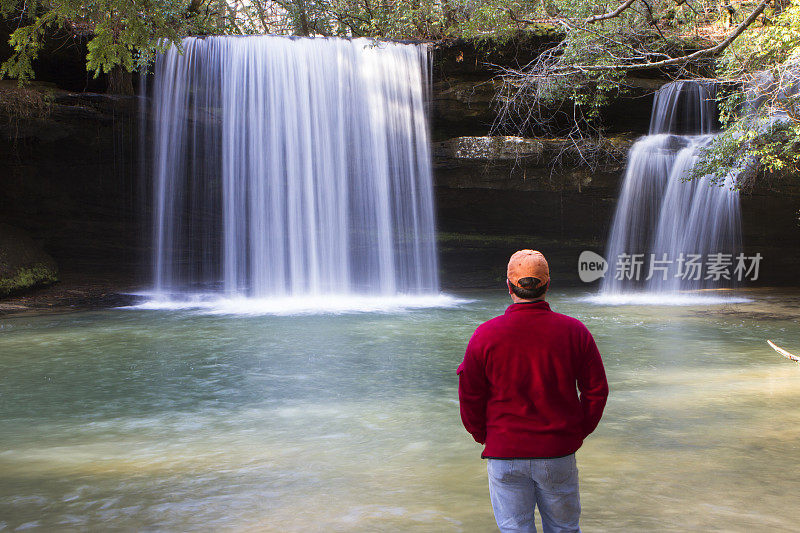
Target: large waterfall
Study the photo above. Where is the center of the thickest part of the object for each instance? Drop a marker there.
(668, 232)
(285, 167)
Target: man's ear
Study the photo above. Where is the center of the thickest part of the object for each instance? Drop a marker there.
(508, 284)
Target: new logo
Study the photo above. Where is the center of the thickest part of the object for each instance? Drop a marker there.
(591, 266)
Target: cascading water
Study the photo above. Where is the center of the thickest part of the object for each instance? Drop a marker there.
(287, 167)
(666, 229)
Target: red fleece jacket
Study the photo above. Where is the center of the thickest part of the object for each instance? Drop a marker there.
(517, 384)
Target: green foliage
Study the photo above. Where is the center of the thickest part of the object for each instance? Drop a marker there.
(498, 19)
(764, 47)
(587, 70)
(127, 33)
(26, 42)
(121, 33)
(393, 19)
(764, 66)
(748, 144)
(27, 277)
(425, 19)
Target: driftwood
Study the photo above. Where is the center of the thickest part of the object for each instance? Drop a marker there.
(784, 353)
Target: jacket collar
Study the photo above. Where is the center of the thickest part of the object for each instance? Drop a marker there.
(540, 305)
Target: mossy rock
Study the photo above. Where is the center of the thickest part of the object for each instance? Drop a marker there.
(23, 263)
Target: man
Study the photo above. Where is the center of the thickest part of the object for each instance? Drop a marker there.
(518, 397)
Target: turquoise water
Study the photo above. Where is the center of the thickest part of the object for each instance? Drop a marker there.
(177, 420)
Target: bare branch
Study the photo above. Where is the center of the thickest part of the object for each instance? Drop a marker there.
(610, 14)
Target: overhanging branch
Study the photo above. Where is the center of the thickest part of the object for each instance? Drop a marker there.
(610, 14)
(714, 50)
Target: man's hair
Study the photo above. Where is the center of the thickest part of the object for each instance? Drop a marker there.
(527, 293)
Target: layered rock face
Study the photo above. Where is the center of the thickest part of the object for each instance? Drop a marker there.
(539, 187)
(544, 186)
(528, 164)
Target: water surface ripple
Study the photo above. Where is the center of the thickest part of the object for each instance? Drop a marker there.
(174, 420)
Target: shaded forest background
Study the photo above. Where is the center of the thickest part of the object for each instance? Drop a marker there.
(572, 82)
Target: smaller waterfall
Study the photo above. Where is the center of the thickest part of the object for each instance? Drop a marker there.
(684, 107)
(666, 228)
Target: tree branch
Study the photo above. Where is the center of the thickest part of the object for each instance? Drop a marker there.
(513, 16)
(610, 14)
(639, 54)
(714, 50)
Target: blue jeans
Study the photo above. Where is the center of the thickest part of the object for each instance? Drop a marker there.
(517, 486)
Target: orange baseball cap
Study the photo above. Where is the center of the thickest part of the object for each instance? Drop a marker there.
(528, 269)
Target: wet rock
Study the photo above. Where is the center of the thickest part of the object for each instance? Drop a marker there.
(23, 263)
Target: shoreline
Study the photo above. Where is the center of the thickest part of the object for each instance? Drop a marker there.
(73, 292)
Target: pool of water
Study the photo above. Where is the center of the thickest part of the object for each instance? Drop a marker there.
(183, 420)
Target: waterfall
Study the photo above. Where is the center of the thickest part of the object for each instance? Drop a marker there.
(285, 167)
(665, 223)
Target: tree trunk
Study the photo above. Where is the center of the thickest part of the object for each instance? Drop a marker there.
(120, 81)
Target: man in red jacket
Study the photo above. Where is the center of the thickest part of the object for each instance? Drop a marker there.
(519, 390)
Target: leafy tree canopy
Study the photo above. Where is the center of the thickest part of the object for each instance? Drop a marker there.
(127, 33)
(761, 109)
(121, 33)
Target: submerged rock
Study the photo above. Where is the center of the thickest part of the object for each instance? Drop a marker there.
(23, 263)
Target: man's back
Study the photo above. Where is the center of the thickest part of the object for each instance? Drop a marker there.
(518, 383)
